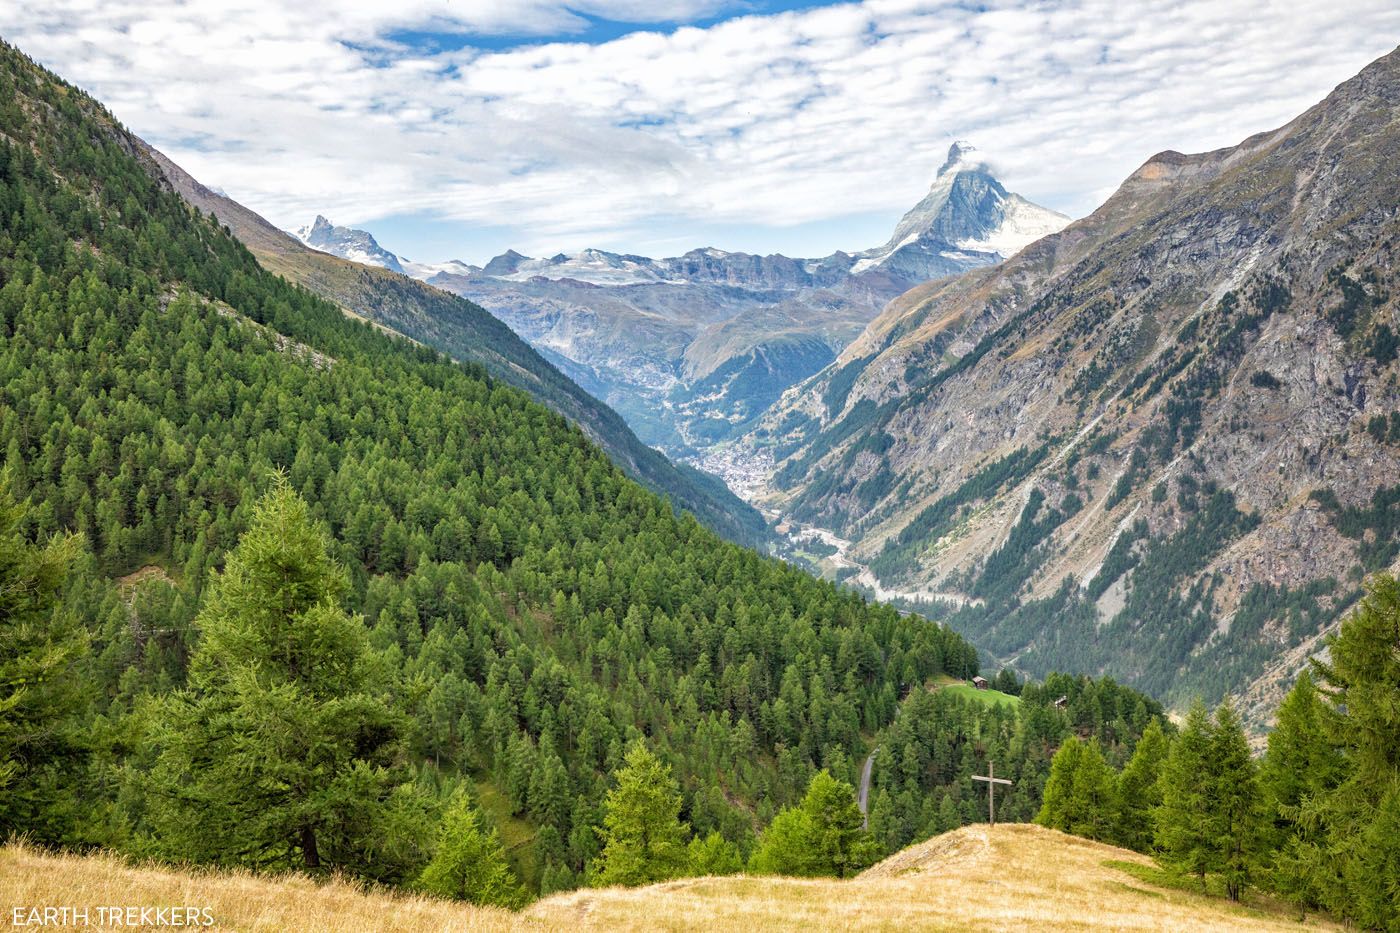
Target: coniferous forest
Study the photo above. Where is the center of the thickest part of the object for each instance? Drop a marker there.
(281, 591)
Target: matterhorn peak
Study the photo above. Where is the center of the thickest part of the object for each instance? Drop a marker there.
(962, 157)
(965, 212)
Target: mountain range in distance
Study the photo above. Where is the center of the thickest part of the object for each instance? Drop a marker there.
(692, 349)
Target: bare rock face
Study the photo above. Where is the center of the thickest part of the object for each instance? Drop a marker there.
(1162, 443)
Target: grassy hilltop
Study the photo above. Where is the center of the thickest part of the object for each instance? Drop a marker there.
(1013, 876)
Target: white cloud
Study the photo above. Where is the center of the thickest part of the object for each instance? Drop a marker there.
(766, 121)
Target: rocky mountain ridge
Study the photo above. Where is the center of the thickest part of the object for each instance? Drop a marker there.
(1162, 443)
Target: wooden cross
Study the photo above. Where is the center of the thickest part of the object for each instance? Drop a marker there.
(992, 782)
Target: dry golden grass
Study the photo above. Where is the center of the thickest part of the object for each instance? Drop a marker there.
(1013, 877)
(236, 900)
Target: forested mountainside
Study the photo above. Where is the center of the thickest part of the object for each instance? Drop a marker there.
(1162, 443)
(467, 333)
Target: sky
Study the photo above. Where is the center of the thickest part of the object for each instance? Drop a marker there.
(459, 129)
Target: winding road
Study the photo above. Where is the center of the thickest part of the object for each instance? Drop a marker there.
(863, 797)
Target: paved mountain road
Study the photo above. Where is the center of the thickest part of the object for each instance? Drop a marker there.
(863, 797)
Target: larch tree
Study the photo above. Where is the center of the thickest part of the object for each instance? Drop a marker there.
(1235, 812)
(283, 751)
(1361, 681)
(1140, 791)
(469, 863)
(822, 835)
(1182, 834)
(1300, 768)
(714, 855)
(1079, 794)
(643, 837)
(40, 645)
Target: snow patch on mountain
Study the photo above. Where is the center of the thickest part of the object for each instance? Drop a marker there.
(593, 266)
(1023, 223)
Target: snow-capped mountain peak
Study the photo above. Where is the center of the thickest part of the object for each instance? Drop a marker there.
(348, 243)
(965, 211)
(962, 157)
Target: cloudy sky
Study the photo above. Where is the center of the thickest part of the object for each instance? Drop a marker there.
(457, 129)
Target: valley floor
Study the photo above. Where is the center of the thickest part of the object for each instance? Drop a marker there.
(1010, 877)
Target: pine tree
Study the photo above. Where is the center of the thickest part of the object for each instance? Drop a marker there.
(714, 855)
(1234, 814)
(643, 836)
(786, 847)
(1182, 834)
(281, 753)
(1300, 768)
(1361, 681)
(469, 863)
(842, 843)
(1139, 790)
(1059, 786)
(822, 835)
(40, 646)
(884, 827)
(1079, 794)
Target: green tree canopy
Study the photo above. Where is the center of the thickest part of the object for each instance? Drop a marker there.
(1235, 808)
(1140, 791)
(1361, 681)
(1299, 769)
(644, 839)
(714, 855)
(1079, 794)
(1185, 841)
(823, 835)
(786, 847)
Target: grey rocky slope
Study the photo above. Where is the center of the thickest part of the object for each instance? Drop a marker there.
(691, 349)
(1162, 443)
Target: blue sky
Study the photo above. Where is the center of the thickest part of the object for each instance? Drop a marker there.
(601, 27)
(456, 130)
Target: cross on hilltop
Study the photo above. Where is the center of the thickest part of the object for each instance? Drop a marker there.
(992, 782)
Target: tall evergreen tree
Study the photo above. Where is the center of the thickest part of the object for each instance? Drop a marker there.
(1361, 680)
(1079, 794)
(1140, 791)
(841, 841)
(1185, 839)
(786, 847)
(40, 647)
(1059, 786)
(283, 752)
(469, 863)
(643, 837)
(822, 835)
(714, 855)
(1300, 768)
(1234, 811)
